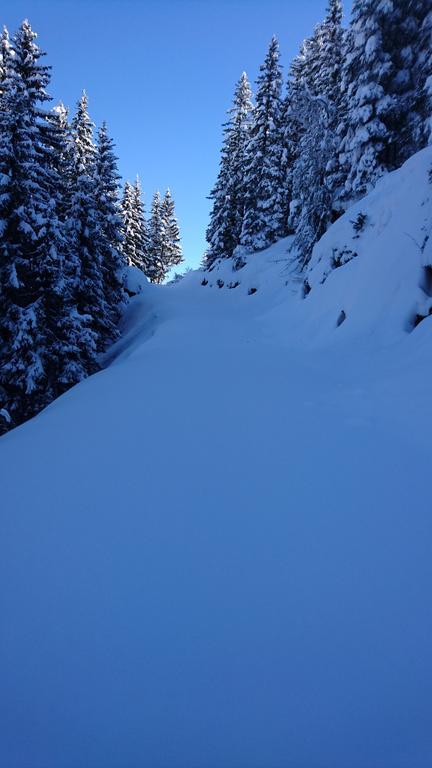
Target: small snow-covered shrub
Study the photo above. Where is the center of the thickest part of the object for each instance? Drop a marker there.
(359, 224)
(342, 256)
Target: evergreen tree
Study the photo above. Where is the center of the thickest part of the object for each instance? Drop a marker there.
(5, 53)
(328, 84)
(172, 251)
(136, 243)
(129, 244)
(310, 183)
(262, 219)
(228, 194)
(292, 129)
(143, 226)
(74, 339)
(85, 230)
(315, 173)
(110, 234)
(288, 144)
(156, 269)
(62, 156)
(372, 102)
(421, 124)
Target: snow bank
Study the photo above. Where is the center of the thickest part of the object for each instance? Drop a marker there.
(382, 239)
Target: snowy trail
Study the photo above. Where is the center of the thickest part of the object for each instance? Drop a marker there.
(217, 553)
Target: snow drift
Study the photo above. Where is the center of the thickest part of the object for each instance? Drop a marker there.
(216, 552)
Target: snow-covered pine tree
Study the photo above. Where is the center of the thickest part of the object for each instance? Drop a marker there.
(422, 74)
(62, 156)
(136, 244)
(369, 134)
(288, 144)
(129, 234)
(262, 219)
(328, 83)
(310, 183)
(142, 226)
(292, 128)
(74, 340)
(315, 173)
(172, 250)
(405, 29)
(110, 234)
(31, 237)
(228, 195)
(156, 269)
(5, 52)
(85, 230)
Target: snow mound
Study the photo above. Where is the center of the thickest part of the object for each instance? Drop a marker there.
(135, 280)
(371, 264)
(216, 551)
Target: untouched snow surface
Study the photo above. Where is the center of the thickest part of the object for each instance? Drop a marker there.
(216, 553)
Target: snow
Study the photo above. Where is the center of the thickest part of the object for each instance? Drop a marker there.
(216, 552)
(135, 280)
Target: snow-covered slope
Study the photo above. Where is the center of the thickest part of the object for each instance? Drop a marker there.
(216, 552)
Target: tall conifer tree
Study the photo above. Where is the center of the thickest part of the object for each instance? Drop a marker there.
(370, 131)
(228, 194)
(262, 217)
(316, 173)
(108, 208)
(156, 269)
(86, 235)
(172, 252)
(136, 244)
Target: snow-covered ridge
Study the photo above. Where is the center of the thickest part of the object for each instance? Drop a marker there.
(369, 273)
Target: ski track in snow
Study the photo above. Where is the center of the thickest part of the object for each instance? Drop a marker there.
(216, 553)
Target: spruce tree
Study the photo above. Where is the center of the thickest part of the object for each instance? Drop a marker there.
(5, 53)
(86, 232)
(136, 244)
(110, 233)
(142, 225)
(74, 338)
(292, 129)
(315, 173)
(371, 106)
(228, 195)
(129, 233)
(262, 219)
(421, 123)
(172, 250)
(156, 269)
(62, 156)
(328, 84)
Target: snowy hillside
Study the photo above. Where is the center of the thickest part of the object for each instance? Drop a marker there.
(386, 282)
(217, 550)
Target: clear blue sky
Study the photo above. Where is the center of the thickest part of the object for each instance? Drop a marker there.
(162, 73)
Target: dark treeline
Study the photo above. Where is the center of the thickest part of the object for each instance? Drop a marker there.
(357, 104)
(65, 237)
